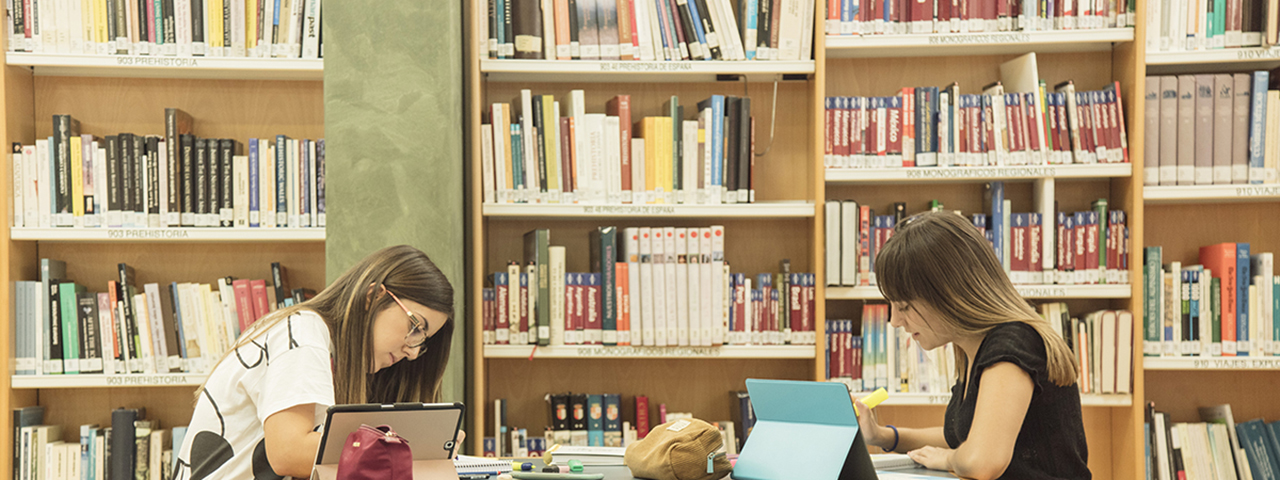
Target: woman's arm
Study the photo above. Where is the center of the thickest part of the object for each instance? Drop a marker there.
(908, 438)
(1003, 398)
(291, 441)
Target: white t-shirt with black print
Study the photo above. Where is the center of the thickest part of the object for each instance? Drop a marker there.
(287, 366)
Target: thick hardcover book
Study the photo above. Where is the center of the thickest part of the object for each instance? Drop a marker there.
(604, 257)
(228, 149)
(595, 420)
(1163, 141)
(536, 252)
(123, 438)
(1220, 259)
(188, 172)
(1257, 127)
(526, 23)
(1223, 121)
(127, 290)
(588, 30)
(280, 281)
(176, 123)
(1241, 99)
(114, 181)
(1195, 130)
(152, 164)
(608, 21)
(744, 149)
(201, 180)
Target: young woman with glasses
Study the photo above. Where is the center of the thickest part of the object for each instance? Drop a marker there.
(1015, 407)
(379, 334)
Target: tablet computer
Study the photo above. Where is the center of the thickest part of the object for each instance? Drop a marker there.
(431, 429)
(803, 430)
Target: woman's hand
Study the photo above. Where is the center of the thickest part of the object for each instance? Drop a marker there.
(932, 458)
(462, 436)
(872, 432)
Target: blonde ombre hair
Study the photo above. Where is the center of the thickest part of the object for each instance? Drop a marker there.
(348, 307)
(941, 260)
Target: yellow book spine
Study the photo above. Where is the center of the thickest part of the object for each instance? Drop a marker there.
(552, 142)
(506, 143)
(250, 24)
(668, 161)
(77, 177)
(100, 22)
(214, 19)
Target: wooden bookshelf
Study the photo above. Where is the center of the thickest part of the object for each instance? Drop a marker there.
(982, 43)
(1198, 194)
(975, 174)
(1036, 292)
(229, 98)
(1212, 363)
(762, 210)
(728, 352)
(581, 71)
(941, 400)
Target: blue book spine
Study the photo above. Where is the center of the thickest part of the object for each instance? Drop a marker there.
(697, 28)
(178, 435)
(595, 420)
(500, 13)
(1275, 308)
(254, 207)
(717, 145)
(517, 158)
(282, 180)
(827, 358)
(1257, 124)
(86, 444)
(662, 25)
(848, 12)
(1244, 277)
(304, 169)
(995, 212)
(1194, 286)
(749, 24)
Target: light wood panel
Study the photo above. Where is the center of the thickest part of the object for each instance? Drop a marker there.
(475, 368)
(1252, 223)
(697, 386)
(1180, 393)
(781, 171)
(887, 76)
(94, 264)
(172, 406)
(238, 109)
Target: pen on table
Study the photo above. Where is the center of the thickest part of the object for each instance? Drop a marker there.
(478, 476)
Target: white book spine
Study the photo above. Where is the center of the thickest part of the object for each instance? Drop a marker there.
(292, 185)
(631, 239)
(708, 291)
(659, 288)
(693, 258)
(612, 150)
(647, 285)
(718, 285)
(240, 200)
(237, 47)
(556, 255)
(689, 175)
(311, 30)
(19, 186)
(681, 271)
(669, 269)
(487, 165)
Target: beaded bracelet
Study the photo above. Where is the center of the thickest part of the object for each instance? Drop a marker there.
(895, 439)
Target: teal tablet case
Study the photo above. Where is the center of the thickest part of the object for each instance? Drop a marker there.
(803, 430)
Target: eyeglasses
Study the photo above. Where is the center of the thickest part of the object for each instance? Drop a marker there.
(417, 337)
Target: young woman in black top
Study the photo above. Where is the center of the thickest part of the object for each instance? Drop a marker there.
(1015, 408)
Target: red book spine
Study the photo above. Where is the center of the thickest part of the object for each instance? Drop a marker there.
(487, 313)
(797, 294)
(856, 126)
(503, 325)
(1036, 263)
(524, 308)
(1019, 235)
(1091, 252)
(642, 416)
(810, 291)
(1070, 258)
(570, 307)
(580, 294)
(945, 9)
(624, 303)
(594, 314)
(620, 106)
(864, 245)
(244, 308)
(908, 125)
(662, 413)
(261, 306)
(1220, 259)
(1082, 246)
(829, 127)
(740, 307)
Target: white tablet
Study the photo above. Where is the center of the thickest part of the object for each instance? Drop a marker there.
(431, 430)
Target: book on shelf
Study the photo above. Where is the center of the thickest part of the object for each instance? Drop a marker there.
(873, 354)
(1213, 129)
(238, 29)
(1213, 445)
(625, 30)
(664, 286)
(1085, 248)
(1186, 26)
(1224, 306)
(854, 17)
(999, 127)
(60, 328)
(533, 154)
(162, 181)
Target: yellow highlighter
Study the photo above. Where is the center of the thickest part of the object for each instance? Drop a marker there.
(874, 399)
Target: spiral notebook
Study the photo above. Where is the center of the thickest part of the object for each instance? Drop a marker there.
(480, 465)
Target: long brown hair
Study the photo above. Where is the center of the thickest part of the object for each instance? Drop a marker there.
(941, 260)
(348, 307)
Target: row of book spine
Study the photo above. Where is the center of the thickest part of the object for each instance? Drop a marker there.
(1191, 25)
(932, 126)
(1085, 248)
(1211, 129)
(1102, 342)
(176, 180)
(877, 355)
(63, 329)
(132, 447)
(659, 286)
(172, 28)
(900, 17)
(648, 30)
(1215, 446)
(1224, 306)
(532, 154)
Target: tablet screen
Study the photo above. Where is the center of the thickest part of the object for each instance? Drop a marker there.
(430, 428)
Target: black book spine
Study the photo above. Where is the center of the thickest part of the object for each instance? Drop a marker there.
(690, 35)
(55, 322)
(709, 31)
(18, 33)
(172, 200)
(125, 296)
(493, 29)
(573, 28)
(263, 24)
(170, 34)
(540, 142)
(280, 283)
(122, 26)
(215, 178)
(226, 22)
(123, 450)
(88, 303)
(507, 29)
(62, 161)
(763, 22)
(227, 205)
(127, 178)
(188, 178)
(744, 147)
(138, 159)
(202, 177)
(143, 31)
(731, 132)
(197, 21)
(113, 173)
(282, 181)
(153, 174)
(110, 20)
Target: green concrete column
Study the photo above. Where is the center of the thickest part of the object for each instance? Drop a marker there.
(393, 98)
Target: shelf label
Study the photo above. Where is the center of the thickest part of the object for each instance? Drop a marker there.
(124, 380)
(602, 351)
(1010, 172)
(148, 233)
(1257, 191)
(146, 61)
(1042, 292)
(646, 66)
(629, 209)
(1244, 363)
(1249, 54)
(939, 399)
(964, 39)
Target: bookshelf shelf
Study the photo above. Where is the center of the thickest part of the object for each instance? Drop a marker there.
(666, 353)
(635, 71)
(169, 234)
(989, 43)
(971, 174)
(941, 399)
(750, 210)
(145, 66)
(1211, 193)
(1223, 57)
(97, 381)
(1211, 363)
(1039, 292)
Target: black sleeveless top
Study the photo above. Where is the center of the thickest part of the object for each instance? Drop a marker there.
(1051, 444)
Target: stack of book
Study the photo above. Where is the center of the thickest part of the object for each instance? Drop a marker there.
(175, 28)
(939, 127)
(1188, 25)
(660, 286)
(1102, 342)
(132, 328)
(1211, 129)
(862, 17)
(175, 180)
(532, 154)
(648, 31)
(1086, 248)
(1224, 306)
(1214, 447)
(130, 447)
